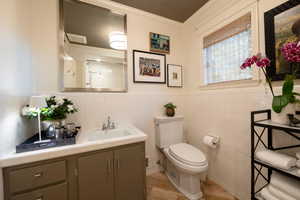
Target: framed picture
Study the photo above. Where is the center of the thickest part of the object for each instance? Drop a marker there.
(159, 43)
(282, 25)
(175, 76)
(149, 67)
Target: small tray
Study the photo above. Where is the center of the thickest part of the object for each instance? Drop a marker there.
(30, 145)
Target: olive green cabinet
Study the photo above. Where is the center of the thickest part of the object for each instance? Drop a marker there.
(95, 176)
(112, 174)
(130, 173)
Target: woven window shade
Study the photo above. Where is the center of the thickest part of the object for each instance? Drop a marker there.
(234, 28)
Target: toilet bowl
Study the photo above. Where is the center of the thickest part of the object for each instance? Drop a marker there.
(187, 158)
(184, 163)
(184, 169)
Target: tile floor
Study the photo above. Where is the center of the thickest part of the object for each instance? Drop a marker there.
(159, 188)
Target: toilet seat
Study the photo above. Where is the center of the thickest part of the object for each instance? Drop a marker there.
(188, 154)
(182, 164)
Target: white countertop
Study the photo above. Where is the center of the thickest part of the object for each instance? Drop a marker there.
(82, 145)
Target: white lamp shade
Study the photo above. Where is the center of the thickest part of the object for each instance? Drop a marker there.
(38, 102)
(118, 40)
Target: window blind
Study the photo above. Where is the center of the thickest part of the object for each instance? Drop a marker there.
(226, 49)
(240, 25)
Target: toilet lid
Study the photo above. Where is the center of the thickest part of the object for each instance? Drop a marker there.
(187, 154)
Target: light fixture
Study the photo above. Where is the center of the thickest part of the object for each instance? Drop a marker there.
(118, 40)
(38, 102)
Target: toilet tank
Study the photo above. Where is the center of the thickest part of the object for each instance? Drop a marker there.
(168, 131)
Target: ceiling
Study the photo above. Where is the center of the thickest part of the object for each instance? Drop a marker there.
(178, 10)
(95, 23)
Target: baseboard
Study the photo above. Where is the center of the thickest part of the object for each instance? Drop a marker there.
(152, 170)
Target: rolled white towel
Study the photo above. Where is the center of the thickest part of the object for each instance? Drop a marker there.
(286, 184)
(266, 194)
(298, 163)
(298, 155)
(276, 159)
(280, 194)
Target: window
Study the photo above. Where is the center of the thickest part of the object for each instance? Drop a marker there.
(226, 49)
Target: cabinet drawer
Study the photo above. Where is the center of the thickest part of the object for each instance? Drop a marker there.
(57, 192)
(33, 177)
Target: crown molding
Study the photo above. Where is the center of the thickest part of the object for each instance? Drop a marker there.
(215, 9)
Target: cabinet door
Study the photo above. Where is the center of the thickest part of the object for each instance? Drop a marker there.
(95, 176)
(130, 173)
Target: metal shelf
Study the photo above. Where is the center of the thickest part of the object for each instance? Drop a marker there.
(270, 124)
(257, 165)
(292, 173)
(258, 198)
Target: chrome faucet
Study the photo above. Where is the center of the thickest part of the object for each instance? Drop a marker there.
(109, 125)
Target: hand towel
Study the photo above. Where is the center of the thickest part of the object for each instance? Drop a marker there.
(276, 192)
(276, 159)
(298, 163)
(298, 155)
(266, 194)
(286, 184)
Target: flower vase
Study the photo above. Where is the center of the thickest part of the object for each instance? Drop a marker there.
(282, 118)
(54, 124)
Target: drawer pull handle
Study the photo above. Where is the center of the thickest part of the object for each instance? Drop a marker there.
(37, 175)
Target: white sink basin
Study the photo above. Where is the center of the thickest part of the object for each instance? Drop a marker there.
(86, 141)
(114, 134)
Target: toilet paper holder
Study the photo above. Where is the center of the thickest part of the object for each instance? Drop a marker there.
(211, 140)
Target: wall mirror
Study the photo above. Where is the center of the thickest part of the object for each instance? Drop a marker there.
(94, 48)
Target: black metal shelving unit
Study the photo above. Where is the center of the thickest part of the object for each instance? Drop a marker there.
(256, 138)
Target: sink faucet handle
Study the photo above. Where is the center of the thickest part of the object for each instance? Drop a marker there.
(104, 127)
(113, 125)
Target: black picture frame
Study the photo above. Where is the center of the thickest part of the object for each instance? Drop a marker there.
(270, 42)
(168, 78)
(149, 53)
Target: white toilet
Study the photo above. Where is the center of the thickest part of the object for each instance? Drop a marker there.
(184, 163)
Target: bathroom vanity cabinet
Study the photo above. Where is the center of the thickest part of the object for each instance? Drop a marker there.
(112, 174)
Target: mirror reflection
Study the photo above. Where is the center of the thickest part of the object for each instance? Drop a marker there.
(95, 46)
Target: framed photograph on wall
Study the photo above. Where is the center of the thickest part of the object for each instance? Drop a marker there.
(149, 67)
(174, 75)
(282, 25)
(159, 43)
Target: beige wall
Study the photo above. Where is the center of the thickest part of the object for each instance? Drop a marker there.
(223, 112)
(15, 74)
(29, 54)
(142, 102)
(31, 35)
(139, 24)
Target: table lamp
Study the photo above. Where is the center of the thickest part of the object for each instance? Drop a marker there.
(38, 102)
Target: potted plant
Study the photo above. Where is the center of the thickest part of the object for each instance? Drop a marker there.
(57, 110)
(170, 109)
(285, 103)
